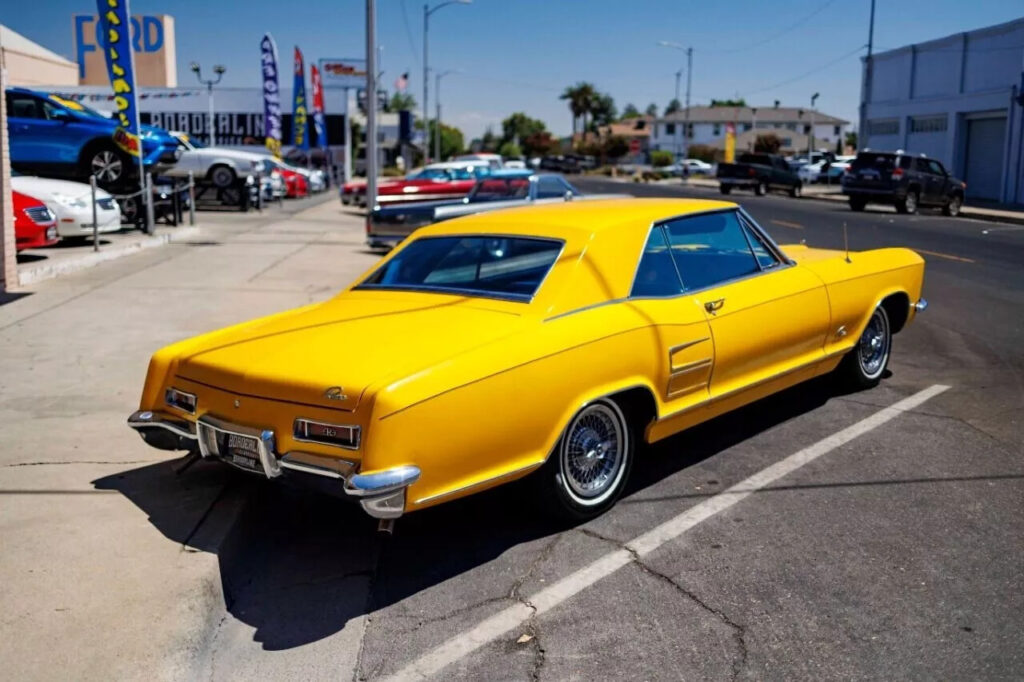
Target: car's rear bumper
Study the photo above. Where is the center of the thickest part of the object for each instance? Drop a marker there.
(874, 194)
(738, 182)
(381, 493)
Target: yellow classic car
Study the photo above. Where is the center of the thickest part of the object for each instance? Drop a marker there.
(543, 340)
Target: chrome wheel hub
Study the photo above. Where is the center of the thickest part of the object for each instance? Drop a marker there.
(593, 453)
(873, 348)
(106, 166)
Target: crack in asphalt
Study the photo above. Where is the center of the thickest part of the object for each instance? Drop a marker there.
(739, 631)
(532, 627)
(374, 573)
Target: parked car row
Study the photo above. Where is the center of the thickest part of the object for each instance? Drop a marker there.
(59, 144)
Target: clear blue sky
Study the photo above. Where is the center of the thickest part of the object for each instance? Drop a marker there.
(517, 55)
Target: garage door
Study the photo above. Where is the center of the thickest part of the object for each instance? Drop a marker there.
(986, 138)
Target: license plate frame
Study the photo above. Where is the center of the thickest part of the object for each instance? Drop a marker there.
(247, 448)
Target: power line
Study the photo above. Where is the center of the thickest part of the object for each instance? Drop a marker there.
(807, 73)
(770, 38)
(408, 34)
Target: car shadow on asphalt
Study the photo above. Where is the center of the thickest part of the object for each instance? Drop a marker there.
(298, 566)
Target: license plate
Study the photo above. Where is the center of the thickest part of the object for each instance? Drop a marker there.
(243, 451)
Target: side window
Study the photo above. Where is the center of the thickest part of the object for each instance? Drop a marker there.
(764, 257)
(550, 187)
(710, 249)
(49, 110)
(936, 167)
(23, 107)
(921, 166)
(656, 275)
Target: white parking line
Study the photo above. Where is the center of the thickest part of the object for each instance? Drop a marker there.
(508, 619)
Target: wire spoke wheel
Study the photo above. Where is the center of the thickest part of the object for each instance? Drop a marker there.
(874, 344)
(593, 454)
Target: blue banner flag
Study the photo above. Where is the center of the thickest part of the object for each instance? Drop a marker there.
(300, 110)
(271, 96)
(115, 37)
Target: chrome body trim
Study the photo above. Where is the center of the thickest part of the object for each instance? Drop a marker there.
(921, 305)
(170, 400)
(207, 427)
(690, 367)
(380, 482)
(288, 461)
(681, 346)
(146, 419)
(389, 506)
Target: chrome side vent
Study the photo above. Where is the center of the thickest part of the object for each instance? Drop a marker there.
(335, 435)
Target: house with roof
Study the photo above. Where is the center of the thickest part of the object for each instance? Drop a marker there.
(796, 127)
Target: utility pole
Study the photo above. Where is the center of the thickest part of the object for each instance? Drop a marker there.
(866, 90)
(371, 105)
(675, 128)
(689, 74)
(437, 120)
(810, 138)
(753, 128)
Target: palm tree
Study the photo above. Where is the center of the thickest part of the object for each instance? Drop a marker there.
(581, 98)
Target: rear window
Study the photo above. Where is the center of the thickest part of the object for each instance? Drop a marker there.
(501, 188)
(881, 162)
(489, 266)
(762, 159)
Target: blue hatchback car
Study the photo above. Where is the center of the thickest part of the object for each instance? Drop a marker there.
(56, 137)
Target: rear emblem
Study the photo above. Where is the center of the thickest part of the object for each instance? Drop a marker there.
(238, 403)
(335, 393)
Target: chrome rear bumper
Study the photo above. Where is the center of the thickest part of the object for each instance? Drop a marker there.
(381, 493)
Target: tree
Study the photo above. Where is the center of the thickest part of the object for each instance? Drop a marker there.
(768, 143)
(615, 147)
(510, 150)
(540, 144)
(729, 102)
(673, 106)
(402, 101)
(519, 126)
(851, 139)
(661, 158)
(452, 142)
(581, 100)
(602, 111)
(630, 111)
(489, 142)
(652, 110)
(703, 152)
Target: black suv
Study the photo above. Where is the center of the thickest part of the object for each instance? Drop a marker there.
(903, 181)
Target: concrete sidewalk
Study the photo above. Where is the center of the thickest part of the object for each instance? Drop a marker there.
(107, 563)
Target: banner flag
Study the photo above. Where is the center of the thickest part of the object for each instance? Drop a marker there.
(271, 96)
(318, 107)
(730, 142)
(300, 111)
(115, 37)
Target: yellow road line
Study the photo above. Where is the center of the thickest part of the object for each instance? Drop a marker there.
(786, 223)
(945, 255)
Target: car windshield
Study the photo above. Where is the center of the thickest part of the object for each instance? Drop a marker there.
(489, 266)
(500, 188)
(77, 107)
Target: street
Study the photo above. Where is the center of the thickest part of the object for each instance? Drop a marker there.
(890, 547)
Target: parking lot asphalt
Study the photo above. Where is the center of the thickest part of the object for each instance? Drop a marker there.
(810, 535)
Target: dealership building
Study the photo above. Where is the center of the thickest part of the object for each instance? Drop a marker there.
(956, 99)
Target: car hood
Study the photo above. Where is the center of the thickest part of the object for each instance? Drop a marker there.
(44, 189)
(354, 341)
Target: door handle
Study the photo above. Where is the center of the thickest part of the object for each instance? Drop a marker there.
(714, 306)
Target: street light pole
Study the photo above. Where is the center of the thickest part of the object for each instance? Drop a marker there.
(437, 120)
(866, 89)
(209, 83)
(371, 105)
(689, 78)
(753, 128)
(675, 128)
(427, 11)
(810, 138)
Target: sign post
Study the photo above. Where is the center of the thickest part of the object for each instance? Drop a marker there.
(344, 74)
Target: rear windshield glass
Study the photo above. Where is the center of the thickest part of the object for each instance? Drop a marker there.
(501, 188)
(488, 266)
(882, 162)
(762, 159)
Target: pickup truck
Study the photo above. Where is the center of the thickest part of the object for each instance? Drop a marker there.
(760, 172)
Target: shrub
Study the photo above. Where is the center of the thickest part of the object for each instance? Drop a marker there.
(661, 158)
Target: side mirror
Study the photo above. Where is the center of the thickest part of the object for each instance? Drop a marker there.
(568, 195)
(61, 115)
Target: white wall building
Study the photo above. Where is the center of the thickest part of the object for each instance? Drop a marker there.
(707, 127)
(954, 99)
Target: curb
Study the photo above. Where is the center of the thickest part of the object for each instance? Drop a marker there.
(33, 274)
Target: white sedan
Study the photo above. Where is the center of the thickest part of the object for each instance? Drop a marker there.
(71, 202)
(219, 165)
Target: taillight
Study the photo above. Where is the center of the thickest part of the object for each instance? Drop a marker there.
(897, 173)
(751, 172)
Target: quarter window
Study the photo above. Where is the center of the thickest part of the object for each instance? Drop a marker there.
(551, 187)
(710, 249)
(656, 275)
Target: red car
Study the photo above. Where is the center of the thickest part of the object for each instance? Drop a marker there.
(295, 184)
(435, 182)
(34, 224)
